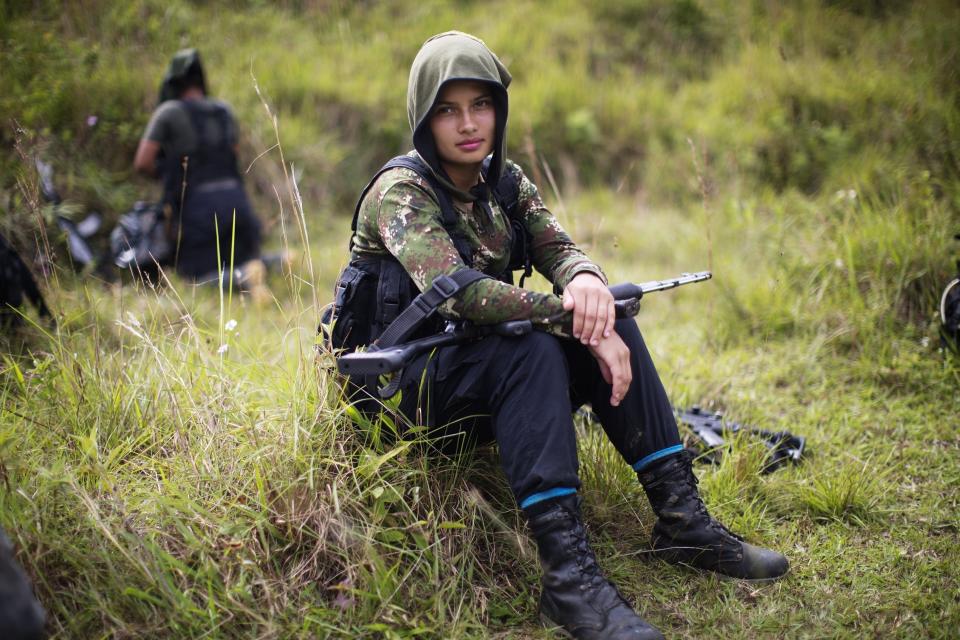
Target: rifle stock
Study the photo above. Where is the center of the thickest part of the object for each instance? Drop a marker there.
(380, 361)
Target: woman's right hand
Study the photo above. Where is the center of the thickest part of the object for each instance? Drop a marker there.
(614, 359)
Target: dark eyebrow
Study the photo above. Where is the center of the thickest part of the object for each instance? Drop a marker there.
(442, 103)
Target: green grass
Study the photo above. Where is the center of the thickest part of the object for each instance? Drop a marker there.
(157, 484)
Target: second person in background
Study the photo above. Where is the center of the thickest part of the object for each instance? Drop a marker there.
(190, 143)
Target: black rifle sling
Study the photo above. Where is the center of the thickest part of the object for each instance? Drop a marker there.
(425, 304)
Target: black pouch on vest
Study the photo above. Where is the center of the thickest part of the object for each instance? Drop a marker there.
(354, 307)
(368, 296)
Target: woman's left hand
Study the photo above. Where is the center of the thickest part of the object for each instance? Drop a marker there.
(593, 309)
(614, 359)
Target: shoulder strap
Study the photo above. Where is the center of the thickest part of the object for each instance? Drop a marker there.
(447, 212)
(506, 192)
(198, 121)
(206, 162)
(407, 162)
(201, 114)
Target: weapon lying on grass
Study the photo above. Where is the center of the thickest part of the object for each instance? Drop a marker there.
(76, 233)
(713, 431)
(376, 361)
(950, 313)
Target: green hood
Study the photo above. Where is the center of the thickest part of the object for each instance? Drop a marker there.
(184, 64)
(455, 56)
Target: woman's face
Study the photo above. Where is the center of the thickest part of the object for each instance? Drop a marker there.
(463, 122)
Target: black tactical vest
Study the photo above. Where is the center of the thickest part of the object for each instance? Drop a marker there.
(373, 290)
(212, 160)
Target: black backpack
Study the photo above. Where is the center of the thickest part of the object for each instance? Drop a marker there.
(210, 161)
(140, 241)
(375, 300)
(16, 283)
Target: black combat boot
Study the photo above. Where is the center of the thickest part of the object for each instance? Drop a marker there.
(686, 534)
(576, 596)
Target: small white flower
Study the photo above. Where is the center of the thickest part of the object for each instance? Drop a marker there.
(845, 195)
(231, 325)
(223, 349)
(925, 341)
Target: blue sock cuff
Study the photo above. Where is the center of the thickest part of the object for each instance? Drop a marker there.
(546, 495)
(645, 461)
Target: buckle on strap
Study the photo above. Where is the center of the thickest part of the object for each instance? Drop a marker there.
(446, 286)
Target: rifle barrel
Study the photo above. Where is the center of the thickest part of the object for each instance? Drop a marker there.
(630, 290)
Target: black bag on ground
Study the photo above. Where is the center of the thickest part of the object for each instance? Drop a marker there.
(21, 616)
(140, 241)
(16, 283)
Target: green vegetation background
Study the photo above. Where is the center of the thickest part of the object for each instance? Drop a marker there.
(167, 472)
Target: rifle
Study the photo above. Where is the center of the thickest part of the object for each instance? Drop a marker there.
(376, 361)
(782, 446)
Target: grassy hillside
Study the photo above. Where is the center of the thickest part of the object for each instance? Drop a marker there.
(811, 96)
(176, 463)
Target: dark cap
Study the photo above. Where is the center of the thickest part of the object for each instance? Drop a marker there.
(185, 67)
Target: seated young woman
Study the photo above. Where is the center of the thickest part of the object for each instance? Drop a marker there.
(521, 391)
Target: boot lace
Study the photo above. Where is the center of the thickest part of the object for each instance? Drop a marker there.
(594, 580)
(691, 483)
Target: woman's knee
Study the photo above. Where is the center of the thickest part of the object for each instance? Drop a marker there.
(535, 360)
(535, 346)
(629, 332)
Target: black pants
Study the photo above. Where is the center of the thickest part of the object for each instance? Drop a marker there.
(208, 222)
(522, 393)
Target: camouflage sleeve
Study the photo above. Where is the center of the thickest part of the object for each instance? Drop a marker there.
(554, 253)
(409, 222)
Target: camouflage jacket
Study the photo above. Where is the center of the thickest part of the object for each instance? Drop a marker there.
(400, 215)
